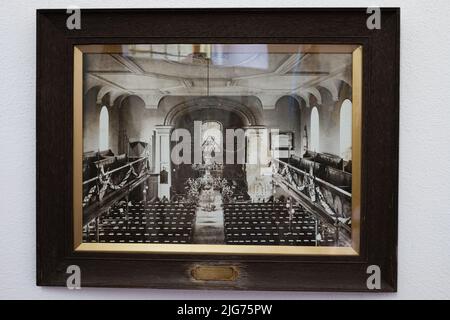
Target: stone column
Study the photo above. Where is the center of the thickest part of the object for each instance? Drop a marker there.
(257, 160)
(162, 160)
(257, 145)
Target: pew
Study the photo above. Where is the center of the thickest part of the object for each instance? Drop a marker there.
(270, 224)
(328, 159)
(143, 223)
(331, 174)
(93, 160)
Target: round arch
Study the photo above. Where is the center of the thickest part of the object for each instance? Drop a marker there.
(244, 112)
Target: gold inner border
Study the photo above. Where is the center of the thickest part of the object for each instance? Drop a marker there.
(354, 250)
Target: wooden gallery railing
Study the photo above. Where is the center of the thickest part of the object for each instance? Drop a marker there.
(102, 191)
(331, 204)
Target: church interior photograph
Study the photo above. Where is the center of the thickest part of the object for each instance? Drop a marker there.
(218, 144)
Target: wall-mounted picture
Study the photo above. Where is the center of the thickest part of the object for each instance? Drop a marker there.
(193, 144)
(282, 140)
(245, 149)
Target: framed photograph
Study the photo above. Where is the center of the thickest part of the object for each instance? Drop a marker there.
(282, 141)
(166, 148)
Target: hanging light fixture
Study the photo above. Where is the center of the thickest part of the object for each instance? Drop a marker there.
(202, 52)
(207, 76)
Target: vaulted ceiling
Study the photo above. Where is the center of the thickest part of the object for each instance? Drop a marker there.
(154, 71)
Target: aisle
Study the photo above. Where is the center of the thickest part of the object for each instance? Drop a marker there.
(209, 226)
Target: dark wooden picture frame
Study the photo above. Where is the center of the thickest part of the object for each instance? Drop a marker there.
(379, 151)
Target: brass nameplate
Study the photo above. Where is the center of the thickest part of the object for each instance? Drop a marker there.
(214, 273)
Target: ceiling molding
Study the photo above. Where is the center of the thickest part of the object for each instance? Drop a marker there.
(127, 63)
(343, 74)
(107, 82)
(230, 86)
(289, 63)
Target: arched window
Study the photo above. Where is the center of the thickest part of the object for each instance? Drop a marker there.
(211, 140)
(212, 134)
(346, 130)
(315, 130)
(103, 134)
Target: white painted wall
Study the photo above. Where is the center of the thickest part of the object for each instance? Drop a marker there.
(424, 201)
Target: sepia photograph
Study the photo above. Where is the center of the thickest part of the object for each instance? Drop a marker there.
(224, 149)
(220, 144)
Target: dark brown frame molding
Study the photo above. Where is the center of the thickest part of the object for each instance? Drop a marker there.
(379, 165)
